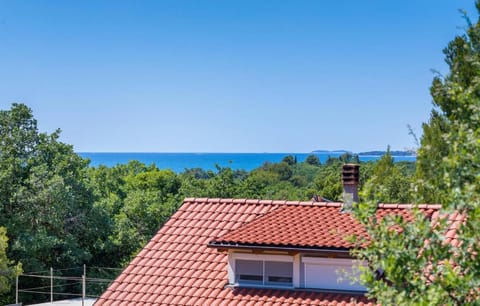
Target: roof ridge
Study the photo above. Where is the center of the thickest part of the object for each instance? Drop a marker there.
(261, 201)
(409, 206)
(307, 203)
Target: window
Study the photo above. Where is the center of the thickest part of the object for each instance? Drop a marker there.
(278, 273)
(263, 272)
(286, 271)
(327, 273)
(249, 271)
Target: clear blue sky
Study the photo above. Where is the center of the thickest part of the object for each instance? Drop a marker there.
(226, 76)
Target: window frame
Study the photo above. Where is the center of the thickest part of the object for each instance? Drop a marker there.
(233, 273)
(339, 263)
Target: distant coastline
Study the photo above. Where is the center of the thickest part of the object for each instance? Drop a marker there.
(368, 153)
(178, 162)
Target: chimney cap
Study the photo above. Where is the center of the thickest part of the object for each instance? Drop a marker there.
(350, 174)
(350, 180)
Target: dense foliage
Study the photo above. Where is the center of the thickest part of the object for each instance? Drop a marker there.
(46, 203)
(8, 271)
(61, 213)
(417, 266)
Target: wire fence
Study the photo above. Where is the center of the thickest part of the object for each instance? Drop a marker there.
(62, 285)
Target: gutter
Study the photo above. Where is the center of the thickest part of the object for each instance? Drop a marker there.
(278, 248)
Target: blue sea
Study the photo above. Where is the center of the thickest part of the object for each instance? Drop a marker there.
(178, 162)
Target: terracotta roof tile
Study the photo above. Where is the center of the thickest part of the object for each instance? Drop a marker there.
(176, 267)
(294, 225)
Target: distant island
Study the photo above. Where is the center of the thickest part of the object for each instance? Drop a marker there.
(331, 152)
(394, 153)
(369, 153)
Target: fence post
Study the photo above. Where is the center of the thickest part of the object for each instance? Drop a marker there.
(83, 289)
(51, 285)
(16, 290)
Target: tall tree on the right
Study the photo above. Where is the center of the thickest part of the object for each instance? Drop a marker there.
(455, 99)
(417, 263)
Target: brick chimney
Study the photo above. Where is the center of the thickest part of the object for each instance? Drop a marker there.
(350, 179)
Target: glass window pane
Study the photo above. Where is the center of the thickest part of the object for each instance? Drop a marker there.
(279, 273)
(248, 271)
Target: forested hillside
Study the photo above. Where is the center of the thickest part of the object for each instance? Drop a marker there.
(58, 212)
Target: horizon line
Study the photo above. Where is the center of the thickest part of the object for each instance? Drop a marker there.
(231, 152)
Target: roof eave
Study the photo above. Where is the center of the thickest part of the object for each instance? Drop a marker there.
(298, 249)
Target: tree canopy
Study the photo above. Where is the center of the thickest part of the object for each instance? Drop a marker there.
(8, 270)
(417, 266)
(45, 199)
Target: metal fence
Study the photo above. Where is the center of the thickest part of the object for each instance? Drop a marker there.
(57, 282)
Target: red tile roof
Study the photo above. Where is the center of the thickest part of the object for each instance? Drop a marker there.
(454, 221)
(177, 268)
(307, 225)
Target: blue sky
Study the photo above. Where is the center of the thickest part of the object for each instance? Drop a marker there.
(226, 76)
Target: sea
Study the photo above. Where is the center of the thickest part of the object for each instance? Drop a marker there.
(178, 162)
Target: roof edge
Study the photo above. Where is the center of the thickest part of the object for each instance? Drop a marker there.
(221, 245)
(409, 206)
(261, 201)
(308, 203)
(352, 293)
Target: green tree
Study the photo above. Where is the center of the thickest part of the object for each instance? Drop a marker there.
(223, 184)
(46, 203)
(312, 160)
(290, 160)
(389, 182)
(258, 183)
(8, 270)
(349, 158)
(418, 266)
(328, 182)
(430, 159)
(151, 197)
(282, 169)
(461, 56)
(193, 186)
